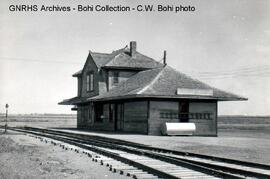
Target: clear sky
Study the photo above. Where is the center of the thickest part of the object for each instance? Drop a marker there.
(223, 43)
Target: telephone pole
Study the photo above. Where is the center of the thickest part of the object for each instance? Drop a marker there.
(6, 117)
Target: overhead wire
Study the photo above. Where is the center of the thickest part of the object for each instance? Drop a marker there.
(36, 60)
(254, 71)
(257, 71)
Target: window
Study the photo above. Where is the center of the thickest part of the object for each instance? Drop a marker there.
(90, 81)
(168, 114)
(203, 115)
(115, 77)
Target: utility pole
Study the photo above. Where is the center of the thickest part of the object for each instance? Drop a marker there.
(6, 117)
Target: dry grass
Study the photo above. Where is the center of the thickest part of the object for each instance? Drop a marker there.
(41, 120)
(255, 126)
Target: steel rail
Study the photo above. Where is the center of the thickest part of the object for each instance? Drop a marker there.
(103, 152)
(81, 144)
(207, 165)
(179, 162)
(161, 150)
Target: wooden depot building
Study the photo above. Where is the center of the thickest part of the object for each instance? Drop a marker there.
(126, 91)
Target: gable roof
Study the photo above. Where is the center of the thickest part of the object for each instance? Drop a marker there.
(137, 61)
(162, 82)
(121, 59)
(100, 58)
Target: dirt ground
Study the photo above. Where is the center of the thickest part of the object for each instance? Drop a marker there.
(24, 157)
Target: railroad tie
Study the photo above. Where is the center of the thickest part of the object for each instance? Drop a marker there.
(143, 176)
(135, 172)
(146, 176)
(121, 169)
(151, 161)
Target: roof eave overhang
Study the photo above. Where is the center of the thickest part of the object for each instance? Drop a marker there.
(233, 99)
(66, 103)
(76, 75)
(74, 101)
(166, 97)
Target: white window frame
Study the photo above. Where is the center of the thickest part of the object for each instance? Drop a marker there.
(90, 82)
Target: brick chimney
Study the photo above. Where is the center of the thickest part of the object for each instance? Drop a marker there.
(133, 46)
(165, 58)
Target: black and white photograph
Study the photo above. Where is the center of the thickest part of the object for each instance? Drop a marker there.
(99, 89)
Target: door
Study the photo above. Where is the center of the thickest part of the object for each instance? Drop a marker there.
(183, 111)
(119, 117)
(98, 107)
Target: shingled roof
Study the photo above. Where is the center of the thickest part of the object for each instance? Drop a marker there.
(101, 59)
(162, 82)
(122, 59)
(125, 60)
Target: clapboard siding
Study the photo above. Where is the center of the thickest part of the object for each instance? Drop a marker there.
(123, 76)
(135, 117)
(90, 67)
(83, 117)
(79, 118)
(205, 126)
(155, 121)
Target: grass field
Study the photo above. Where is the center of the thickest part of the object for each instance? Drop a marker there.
(254, 126)
(41, 120)
(241, 123)
(246, 126)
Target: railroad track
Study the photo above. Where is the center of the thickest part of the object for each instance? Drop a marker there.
(141, 161)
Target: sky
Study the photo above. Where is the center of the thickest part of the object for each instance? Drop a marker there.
(223, 43)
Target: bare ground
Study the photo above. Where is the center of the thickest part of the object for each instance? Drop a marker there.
(22, 156)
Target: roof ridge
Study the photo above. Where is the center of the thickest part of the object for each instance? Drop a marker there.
(152, 81)
(99, 53)
(191, 78)
(111, 59)
(115, 51)
(148, 57)
(207, 85)
(124, 82)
